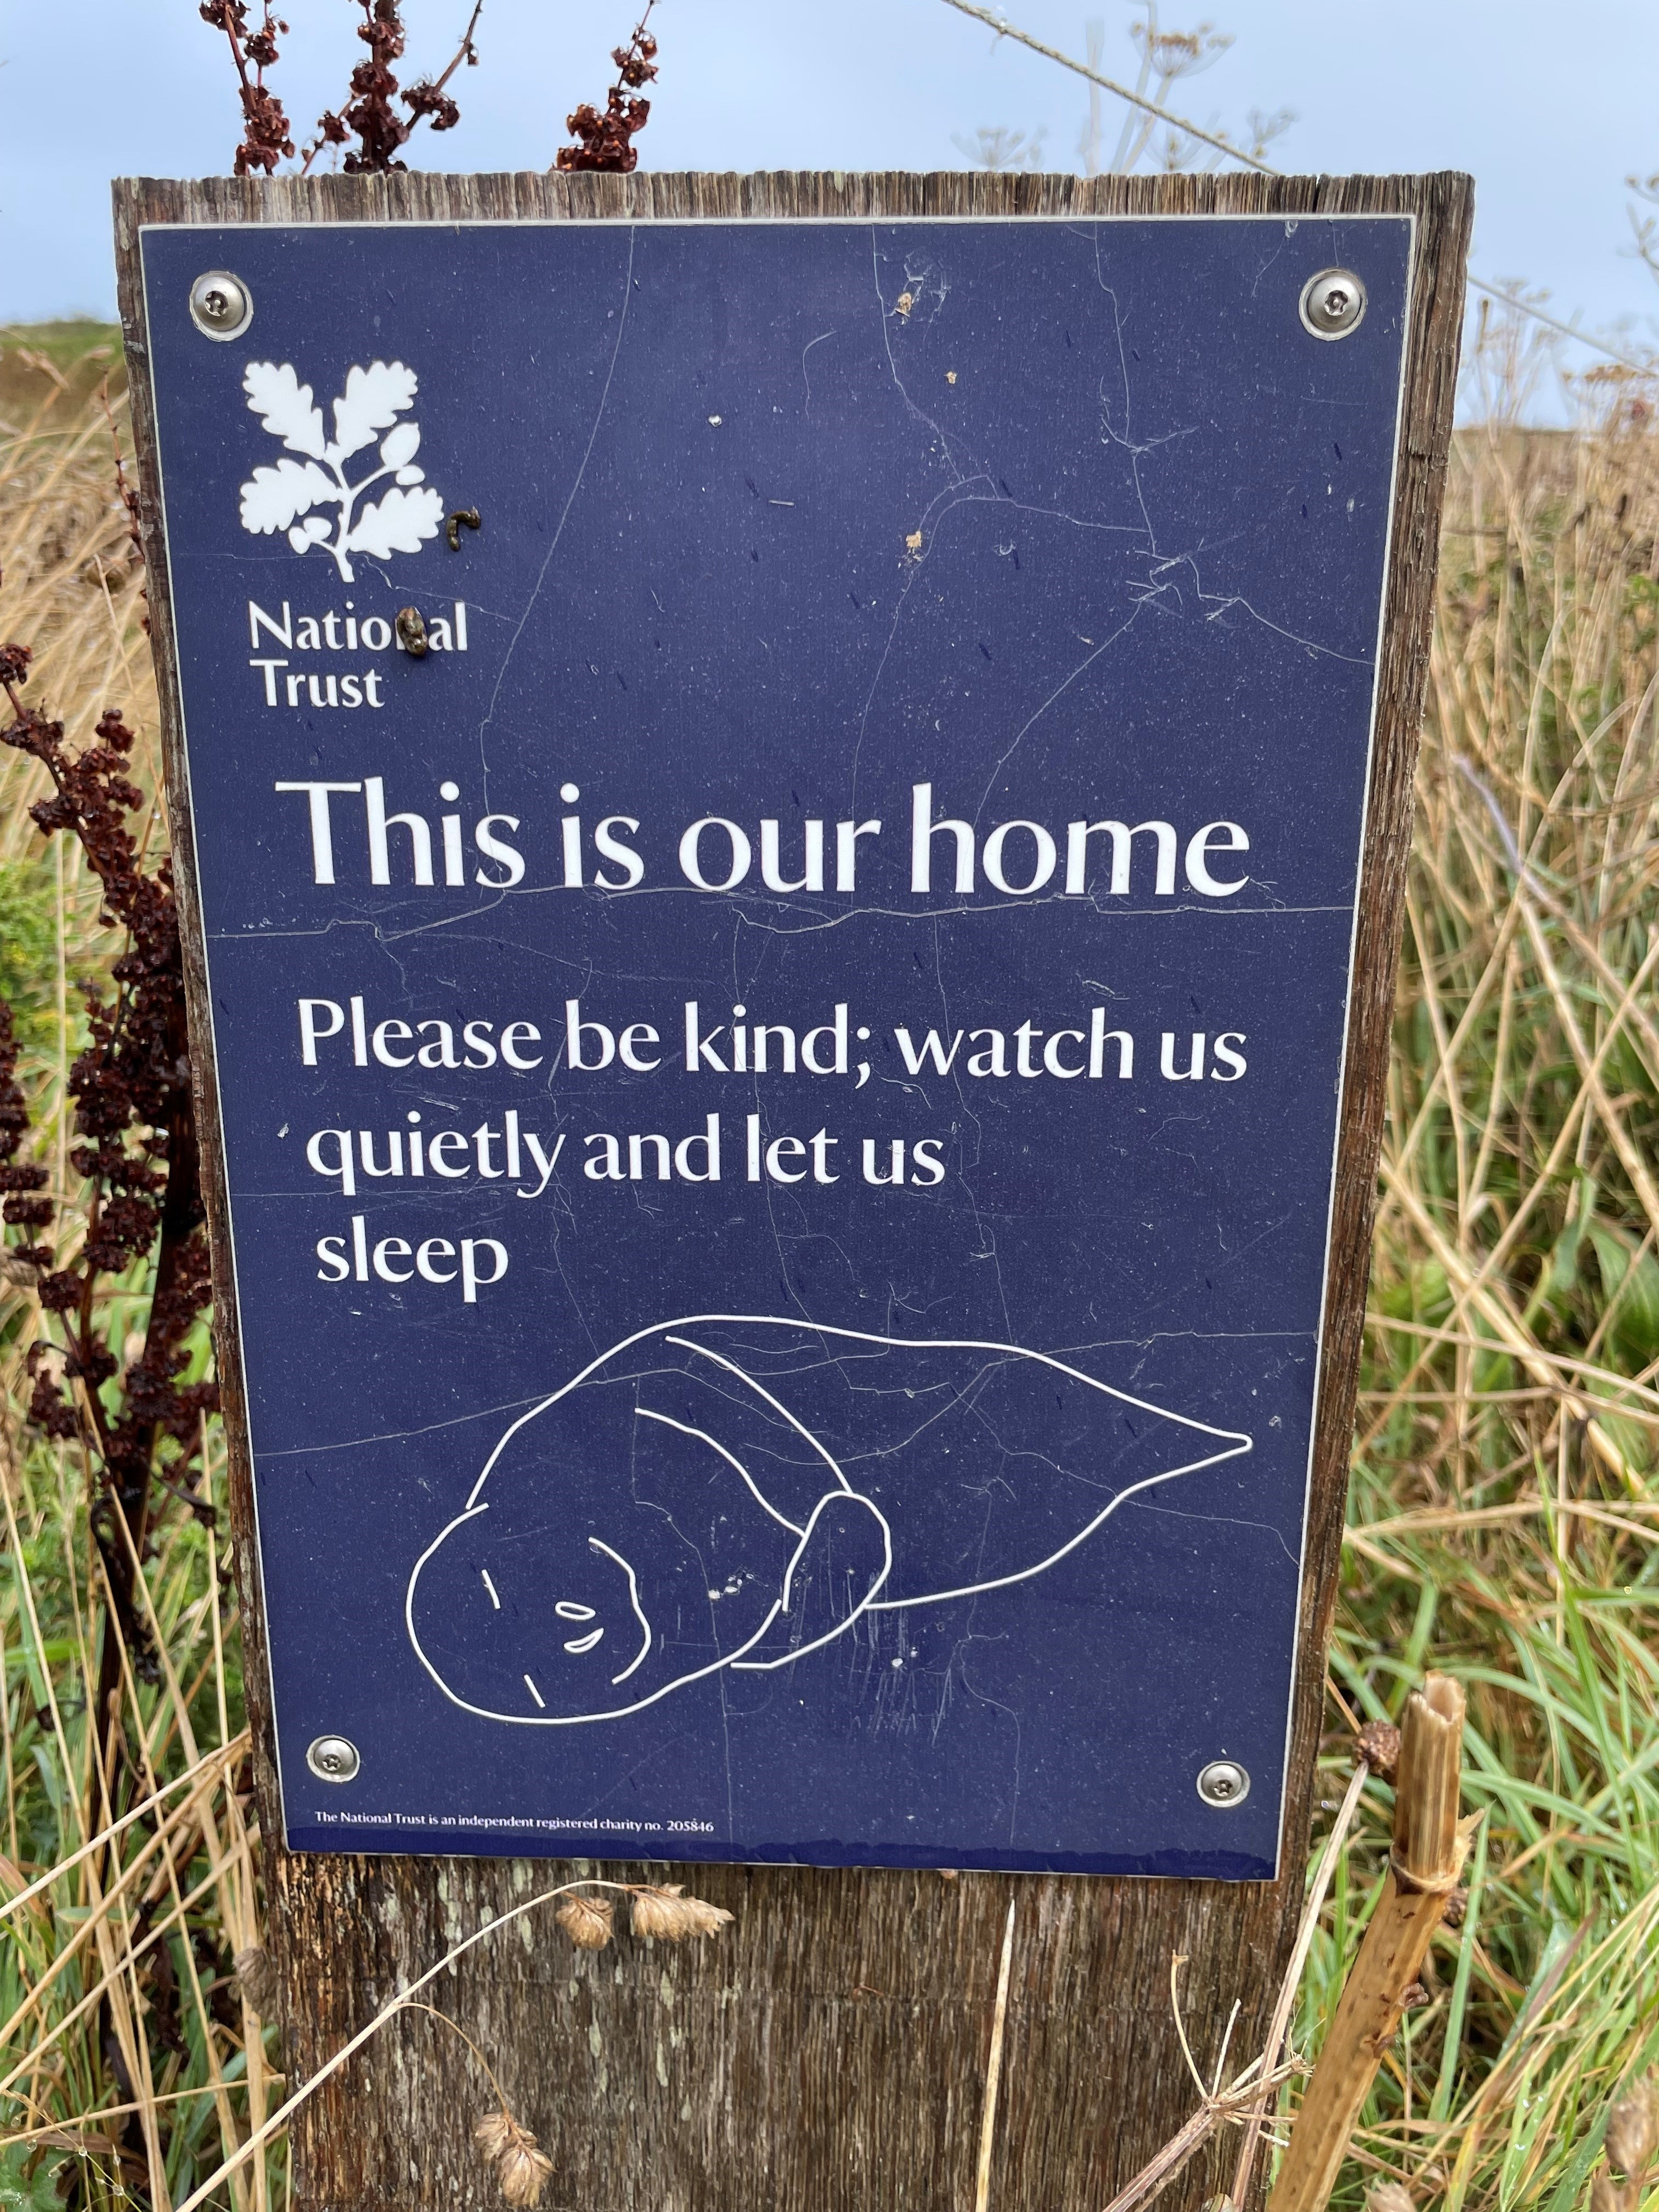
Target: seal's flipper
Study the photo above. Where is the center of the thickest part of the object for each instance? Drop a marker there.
(840, 1568)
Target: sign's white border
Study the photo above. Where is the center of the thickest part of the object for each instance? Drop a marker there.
(1290, 223)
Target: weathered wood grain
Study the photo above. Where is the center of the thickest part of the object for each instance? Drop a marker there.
(829, 2051)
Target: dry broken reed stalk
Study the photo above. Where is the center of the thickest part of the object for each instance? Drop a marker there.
(1318, 1886)
(1429, 1846)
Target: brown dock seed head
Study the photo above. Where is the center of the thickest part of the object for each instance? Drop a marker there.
(509, 2146)
(1608, 2195)
(256, 1977)
(1378, 1745)
(587, 1921)
(1629, 2140)
(1390, 2196)
(605, 142)
(669, 1912)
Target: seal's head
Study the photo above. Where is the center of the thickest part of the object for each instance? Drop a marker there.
(547, 1622)
(611, 1552)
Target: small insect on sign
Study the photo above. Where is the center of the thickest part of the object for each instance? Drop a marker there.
(775, 808)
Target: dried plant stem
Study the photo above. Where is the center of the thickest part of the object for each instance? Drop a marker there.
(1231, 2104)
(179, 1822)
(1642, 1400)
(102, 2112)
(1003, 29)
(113, 1973)
(501, 2093)
(1167, 2163)
(228, 1754)
(227, 2117)
(987, 2126)
(388, 2012)
(1246, 2101)
(1280, 2026)
(30, 1613)
(1429, 1848)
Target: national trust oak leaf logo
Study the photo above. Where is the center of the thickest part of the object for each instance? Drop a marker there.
(284, 495)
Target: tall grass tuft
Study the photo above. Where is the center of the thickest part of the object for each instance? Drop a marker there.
(130, 2060)
(1505, 1498)
(1505, 1506)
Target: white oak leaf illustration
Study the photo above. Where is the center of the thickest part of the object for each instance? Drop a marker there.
(281, 497)
(284, 406)
(373, 399)
(273, 496)
(400, 522)
(401, 444)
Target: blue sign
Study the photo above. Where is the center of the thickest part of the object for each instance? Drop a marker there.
(778, 809)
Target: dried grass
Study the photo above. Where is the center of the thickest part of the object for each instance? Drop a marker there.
(126, 2050)
(1504, 1507)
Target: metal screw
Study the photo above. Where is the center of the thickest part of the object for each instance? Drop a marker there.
(1224, 1783)
(220, 305)
(1333, 304)
(333, 1759)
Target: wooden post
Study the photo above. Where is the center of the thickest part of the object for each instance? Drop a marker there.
(1429, 1844)
(833, 2049)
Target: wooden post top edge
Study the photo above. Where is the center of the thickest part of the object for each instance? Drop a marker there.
(644, 191)
(1161, 178)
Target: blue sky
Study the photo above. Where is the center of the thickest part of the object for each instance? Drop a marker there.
(1549, 108)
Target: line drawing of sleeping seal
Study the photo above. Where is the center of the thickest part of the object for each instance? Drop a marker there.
(736, 1490)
